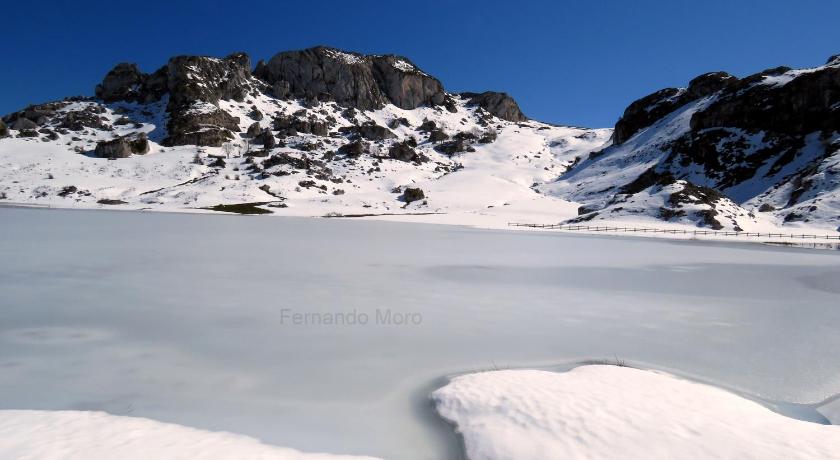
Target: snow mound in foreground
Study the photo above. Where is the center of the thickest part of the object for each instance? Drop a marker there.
(602, 412)
(26, 434)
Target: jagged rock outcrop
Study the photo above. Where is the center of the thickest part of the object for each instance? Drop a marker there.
(200, 123)
(777, 101)
(769, 141)
(642, 113)
(200, 78)
(123, 147)
(185, 78)
(351, 79)
(497, 104)
(4, 131)
(125, 82)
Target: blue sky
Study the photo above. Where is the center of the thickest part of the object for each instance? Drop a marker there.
(571, 62)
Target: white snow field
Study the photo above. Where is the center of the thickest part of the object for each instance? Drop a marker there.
(329, 335)
(47, 435)
(611, 412)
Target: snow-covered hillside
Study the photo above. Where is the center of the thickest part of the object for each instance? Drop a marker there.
(324, 132)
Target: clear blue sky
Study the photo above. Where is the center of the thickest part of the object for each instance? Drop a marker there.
(572, 62)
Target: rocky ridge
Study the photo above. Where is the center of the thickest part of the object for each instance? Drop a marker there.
(366, 130)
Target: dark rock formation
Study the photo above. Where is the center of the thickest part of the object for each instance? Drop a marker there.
(199, 78)
(350, 79)
(122, 83)
(4, 131)
(123, 147)
(266, 138)
(497, 104)
(353, 149)
(802, 105)
(462, 142)
(373, 132)
(125, 82)
(88, 117)
(404, 151)
(404, 84)
(413, 194)
(647, 110)
(200, 124)
(24, 124)
(254, 130)
(185, 78)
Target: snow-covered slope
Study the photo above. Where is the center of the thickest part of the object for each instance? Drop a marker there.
(601, 412)
(724, 152)
(324, 132)
(46, 435)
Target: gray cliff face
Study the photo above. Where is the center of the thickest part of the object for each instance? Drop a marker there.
(350, 79)
(497, 104)
(316, 74)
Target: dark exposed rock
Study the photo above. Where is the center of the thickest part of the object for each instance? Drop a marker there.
(413, 194)
(27, 133)
(353, 149)
(437, 135)
(802, 105)
(199, 78)
(24, 124)
(462, 142)
(123, 147)
(374, 132)
(122, 83)
(397, 122)
(4, 131)
(404, 151)
(201, 124)
(185, 78)
(350, 79)
(497, 104)
(68, 190)
(88, 117)
(255, 113)
(709, 83)
(254, 130)
(280, 89)
(110, 202)
(646, 111)
(293, 125)
(125, 82)
(266, 138)
(404, 84)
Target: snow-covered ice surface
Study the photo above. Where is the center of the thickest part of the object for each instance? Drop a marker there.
(185, 318)
(77, 435)
(603, 412)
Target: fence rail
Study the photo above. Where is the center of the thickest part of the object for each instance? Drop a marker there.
(601, 228)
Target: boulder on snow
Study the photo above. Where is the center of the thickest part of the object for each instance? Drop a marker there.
(254, 130)
(123, 147)
(24, 124)
(413, 194)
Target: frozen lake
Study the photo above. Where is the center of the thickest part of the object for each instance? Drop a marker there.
(213, 321)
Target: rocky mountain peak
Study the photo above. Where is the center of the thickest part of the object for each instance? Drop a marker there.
(351, 79)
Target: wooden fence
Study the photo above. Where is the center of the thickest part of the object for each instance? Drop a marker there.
(601, 228)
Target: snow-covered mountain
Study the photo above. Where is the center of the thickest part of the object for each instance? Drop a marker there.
(723, 152)
(327, 132)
